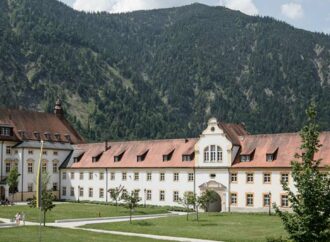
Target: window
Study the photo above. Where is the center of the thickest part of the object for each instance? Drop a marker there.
(55, 186)
(142, 157)
(101, 193)
(233, 177)
(5, 131)
(44, 152)
(72, 175)
(101, 175)
(249, 199)
(162, 195)
(176, 176)
(57, 136)
(8, 167)
(112, 176)
(16, 152)
(55, 166)
(245, 158)
(81, 191)
(285, 177)
(166, 157)
(30, 152)
(63, 191)
(249, 178)
(30, 167)
(55, 153)
(162, 176)
(81, 176)
(212, 175)
(44, 166)
(149, 176)
(124, 176)
(175, 196)
(30, 187)
(213, 153)
(64, 175)
(186, 158)
(8, 150)
(136, 176)
(266, 199)
(136, 193)
(148, 194)
(284, 200)
(90, 176)
(233, 198)
(72, 191)
(190, 177)
(267, 178)
(269, 157)
(90, 192)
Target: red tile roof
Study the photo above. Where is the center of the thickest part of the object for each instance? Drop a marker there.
(154, 158)
(286, 145)
(233, 131)
(42, 123)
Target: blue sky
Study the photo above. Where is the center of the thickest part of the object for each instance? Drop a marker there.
(313, 15)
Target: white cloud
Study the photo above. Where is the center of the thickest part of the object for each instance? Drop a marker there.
(117, 6)
(245, 6)
(292, 10)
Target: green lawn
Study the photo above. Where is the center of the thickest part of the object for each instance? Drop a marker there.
(224, 226)
(76, 210)
(51, 234)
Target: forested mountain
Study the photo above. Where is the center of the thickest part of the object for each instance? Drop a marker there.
(161, 73)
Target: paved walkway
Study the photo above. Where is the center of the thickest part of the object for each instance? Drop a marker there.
(76, 223)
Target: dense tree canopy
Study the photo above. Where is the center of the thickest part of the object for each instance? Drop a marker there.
(161, 73)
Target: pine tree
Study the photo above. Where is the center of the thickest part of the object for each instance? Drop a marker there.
(310, 217)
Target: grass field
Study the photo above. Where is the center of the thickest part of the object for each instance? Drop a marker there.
(51, 234)
(75, 210)
(224, 226)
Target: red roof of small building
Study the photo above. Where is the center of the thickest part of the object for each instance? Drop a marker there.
(284, 146)
(37, 122)
(153, 159)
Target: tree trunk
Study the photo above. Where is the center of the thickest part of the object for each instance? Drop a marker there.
(130, 216)
(197, 213)
(187, 213)
(44, 218)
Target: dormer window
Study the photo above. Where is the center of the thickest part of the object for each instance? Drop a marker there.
(141, 157)
(47, 135)
(21, 134)
(68, 138)
(36, 135)
(212, 153)
(168, 156)
(97, 157)
(188, 157)
(77, 158)
(245, 158)
(269, 157)
(5, 131)
(94, 159)
(57, 136)
(117, 158)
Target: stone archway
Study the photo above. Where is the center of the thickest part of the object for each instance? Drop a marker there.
(216, 205)
(219, 192)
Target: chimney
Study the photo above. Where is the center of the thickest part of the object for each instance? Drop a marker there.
(58, 111)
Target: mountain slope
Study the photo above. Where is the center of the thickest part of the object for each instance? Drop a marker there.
(161, 73)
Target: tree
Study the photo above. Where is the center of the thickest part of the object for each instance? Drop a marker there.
(310, 218)
(188, 199)
(205, 199)
(131, 202)
(115, 193)
(47, 197)
(12, 182)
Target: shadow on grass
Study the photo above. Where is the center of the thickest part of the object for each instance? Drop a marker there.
(143, 223)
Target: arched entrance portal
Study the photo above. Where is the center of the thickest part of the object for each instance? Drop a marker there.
(214, 206)
(218, 192)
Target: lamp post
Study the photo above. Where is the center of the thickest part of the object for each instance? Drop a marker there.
(269, 208)
(145, 190)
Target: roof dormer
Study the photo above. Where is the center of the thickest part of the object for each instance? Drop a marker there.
(97, 157)
(119, 156)
(78, 158)
(247, 156)
(142, 156)
(271, 155)
(168, 156)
